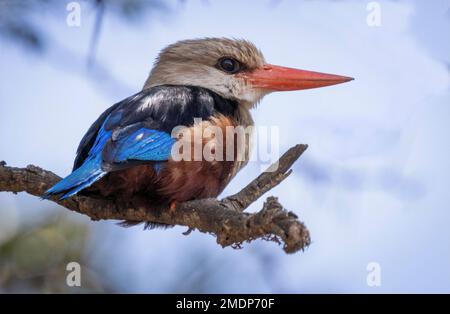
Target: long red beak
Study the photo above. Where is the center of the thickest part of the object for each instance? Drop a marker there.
(278, 78)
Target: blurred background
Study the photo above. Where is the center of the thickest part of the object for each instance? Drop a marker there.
(372, 187)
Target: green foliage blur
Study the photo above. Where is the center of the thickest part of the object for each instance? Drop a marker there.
(33, 260)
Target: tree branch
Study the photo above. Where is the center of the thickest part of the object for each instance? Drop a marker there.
(223, 218)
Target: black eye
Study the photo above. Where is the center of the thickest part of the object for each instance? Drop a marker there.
(229, 65)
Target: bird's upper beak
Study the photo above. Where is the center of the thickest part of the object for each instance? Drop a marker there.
(278, 78)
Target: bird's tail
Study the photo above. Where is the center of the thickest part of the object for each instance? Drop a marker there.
(89, 172)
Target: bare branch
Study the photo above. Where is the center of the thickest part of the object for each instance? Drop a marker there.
(267, 180)
(223, 218)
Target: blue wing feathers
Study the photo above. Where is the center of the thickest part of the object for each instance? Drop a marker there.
(143, 144)
(80, 179)
(84, 176)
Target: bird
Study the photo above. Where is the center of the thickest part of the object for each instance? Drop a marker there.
(128, 150)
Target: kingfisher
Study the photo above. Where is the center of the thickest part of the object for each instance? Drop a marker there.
(196, 83)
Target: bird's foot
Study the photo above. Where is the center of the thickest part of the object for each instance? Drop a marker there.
(172, 206)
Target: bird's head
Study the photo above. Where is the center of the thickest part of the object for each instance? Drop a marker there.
(234, 69)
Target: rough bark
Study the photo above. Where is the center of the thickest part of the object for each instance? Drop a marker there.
(225, 218)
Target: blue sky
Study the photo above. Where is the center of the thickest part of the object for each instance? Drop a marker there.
(372, 187)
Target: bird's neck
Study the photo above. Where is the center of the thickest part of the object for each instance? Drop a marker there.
(242, 115)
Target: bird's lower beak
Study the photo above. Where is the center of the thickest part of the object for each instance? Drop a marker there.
(278, 78)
